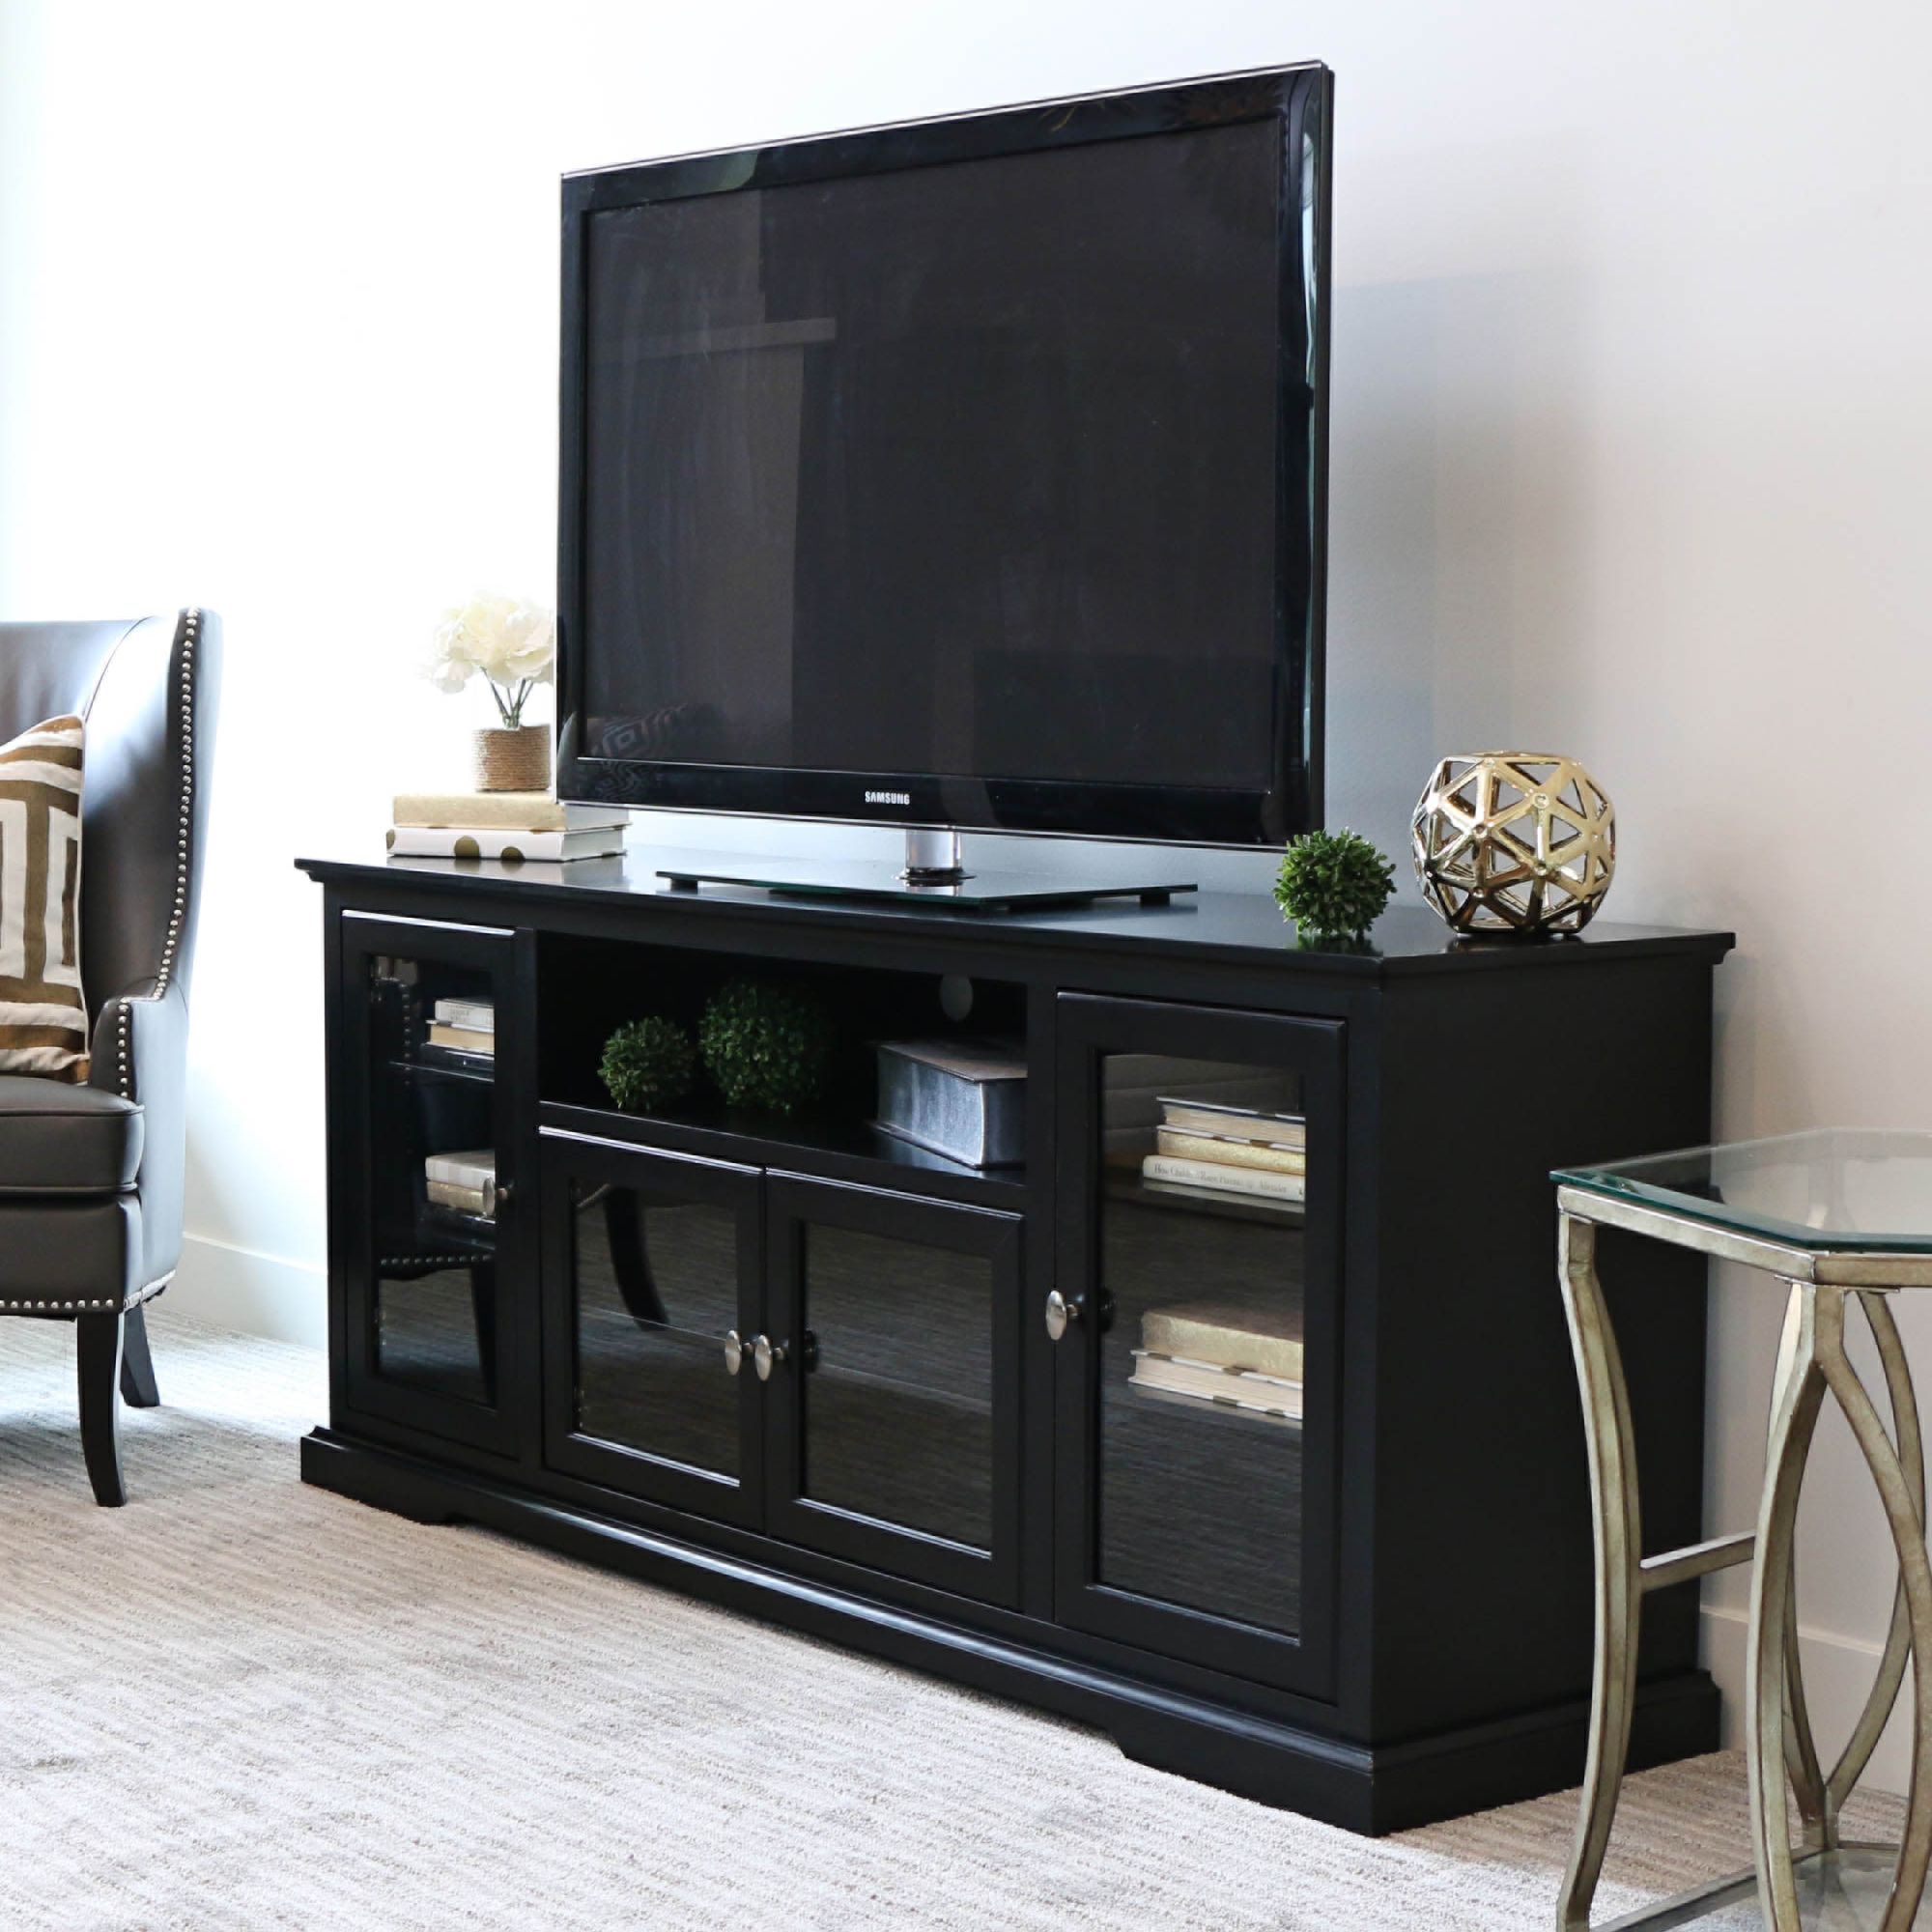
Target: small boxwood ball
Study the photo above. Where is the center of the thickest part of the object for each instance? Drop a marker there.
(648, 1062)
(1333, 885)
(767, 1044)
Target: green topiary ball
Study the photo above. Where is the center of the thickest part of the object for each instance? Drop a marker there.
(1333, 885)
(766, 1044)
(648, 1062)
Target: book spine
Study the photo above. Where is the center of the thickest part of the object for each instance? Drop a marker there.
(475, 1014)
(462, 1170)
(407, 842)
(461, 1039)
(1265, 1354)
(1205, 1373)
(1289, 1411)
(1228, 1179)
(464, 1200)
(1264, 1129)
(503, 810)
(1231, 1152)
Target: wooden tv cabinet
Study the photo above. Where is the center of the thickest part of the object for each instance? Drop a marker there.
(803, 1368)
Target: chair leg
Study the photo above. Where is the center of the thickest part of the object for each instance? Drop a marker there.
(138, 1386)
(98, 1357)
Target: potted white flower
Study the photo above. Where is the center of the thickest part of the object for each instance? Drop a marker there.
(513, 646)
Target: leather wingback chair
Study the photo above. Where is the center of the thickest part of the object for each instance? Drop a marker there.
(90, 1177)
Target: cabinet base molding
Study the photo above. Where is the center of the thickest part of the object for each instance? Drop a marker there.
(1368, 1788)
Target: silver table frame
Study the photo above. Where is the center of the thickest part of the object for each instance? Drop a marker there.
(1811, 1361)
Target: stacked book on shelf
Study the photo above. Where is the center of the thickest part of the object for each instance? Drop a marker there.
(465, 1183)
(1240, 1358)
(1204, 1147)
(511, 826)
(463, 1025)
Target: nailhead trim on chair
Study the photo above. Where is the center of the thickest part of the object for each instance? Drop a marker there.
(184, 827)
(106, 1302)
(54, 1307)
(191, 626)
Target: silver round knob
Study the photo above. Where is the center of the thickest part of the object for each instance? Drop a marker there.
(764, 1353)
(1061, 1314)
(734, 1352)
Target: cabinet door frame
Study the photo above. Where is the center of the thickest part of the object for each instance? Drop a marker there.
(1087, 1028)
(629, 1467)
(484, 949)
(794, 1201)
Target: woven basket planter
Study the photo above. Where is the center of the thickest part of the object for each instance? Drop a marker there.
(513, 760)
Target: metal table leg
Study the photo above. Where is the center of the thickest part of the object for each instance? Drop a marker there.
(1798, 1389)
(1615, 1516)
(1813, 1360)
(1901, 1489)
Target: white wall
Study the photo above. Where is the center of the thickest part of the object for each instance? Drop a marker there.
(1631, 401)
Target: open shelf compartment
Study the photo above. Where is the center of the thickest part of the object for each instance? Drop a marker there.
(592, 986)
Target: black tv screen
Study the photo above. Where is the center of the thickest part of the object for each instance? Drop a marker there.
(965, 474)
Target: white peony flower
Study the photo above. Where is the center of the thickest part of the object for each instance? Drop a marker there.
(512, 643)
(524, 646)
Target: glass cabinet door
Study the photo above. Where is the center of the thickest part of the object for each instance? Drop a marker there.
(651, 1304)
(1192, 1323)
(893, 1434)
(428, 1232)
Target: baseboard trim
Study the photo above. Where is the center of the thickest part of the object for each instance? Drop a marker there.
(1839, 1673)
(259, 1295)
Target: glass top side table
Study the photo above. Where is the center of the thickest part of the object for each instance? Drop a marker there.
(1835, 1217)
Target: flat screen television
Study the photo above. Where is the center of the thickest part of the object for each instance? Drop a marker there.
(964, 473)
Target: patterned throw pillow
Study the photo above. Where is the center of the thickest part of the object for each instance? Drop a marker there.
(42, 1013)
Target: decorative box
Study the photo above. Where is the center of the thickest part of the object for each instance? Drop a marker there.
(962, 1098)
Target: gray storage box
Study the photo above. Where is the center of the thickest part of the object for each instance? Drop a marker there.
(963, 1099)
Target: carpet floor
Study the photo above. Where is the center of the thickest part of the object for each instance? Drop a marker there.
(242, 1703)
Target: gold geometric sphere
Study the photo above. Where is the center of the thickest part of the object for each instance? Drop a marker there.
(1514, 842)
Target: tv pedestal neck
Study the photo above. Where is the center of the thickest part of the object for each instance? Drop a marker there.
(934, 873)
(934, 855)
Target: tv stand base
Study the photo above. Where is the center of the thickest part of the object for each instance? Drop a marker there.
(1368, 1788)
(981, 891)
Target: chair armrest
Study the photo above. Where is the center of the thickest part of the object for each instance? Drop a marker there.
(140, 1052)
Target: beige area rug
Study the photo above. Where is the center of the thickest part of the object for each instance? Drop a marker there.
(244, 1703)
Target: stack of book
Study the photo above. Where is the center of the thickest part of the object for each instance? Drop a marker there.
(464, 1183)
(507, 825)
(1203, 1144)
(464, 1026)
(1238, 1357)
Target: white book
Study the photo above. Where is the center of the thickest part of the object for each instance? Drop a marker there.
(1228, 1335)
(1207, 1116)
(1138, 1084)
(425, 841)
(478, 1015)
(479, 1201)
(1226, 1388)
(1258, 1182)
(1219, 1149)
(1185, 1372)
(473, 1169)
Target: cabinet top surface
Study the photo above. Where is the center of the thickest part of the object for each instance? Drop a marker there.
(1234, 929)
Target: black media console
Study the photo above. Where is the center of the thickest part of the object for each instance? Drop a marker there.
(809, 1370)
